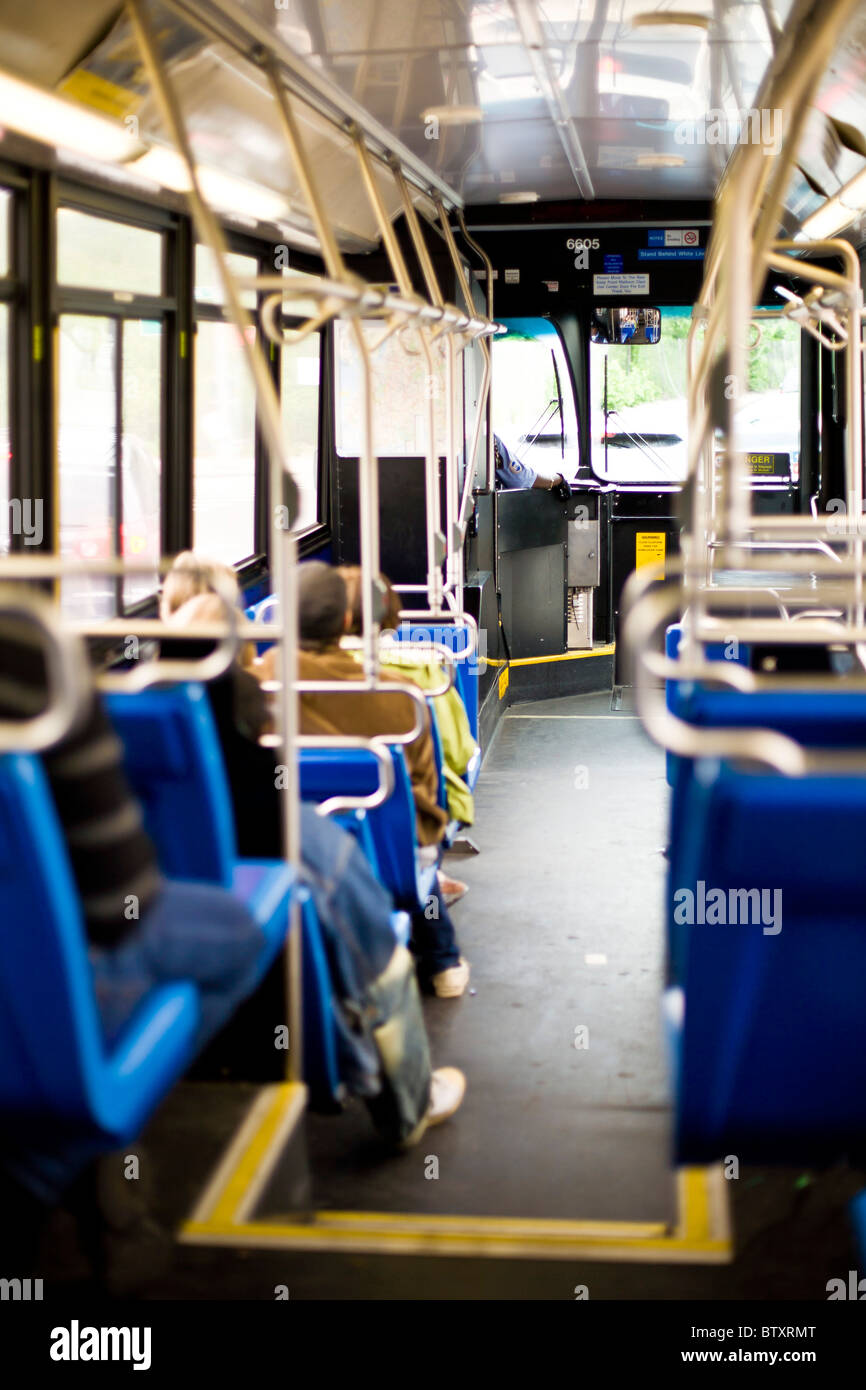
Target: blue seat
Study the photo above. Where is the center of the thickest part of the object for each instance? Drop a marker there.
(674, 690)
(772, 1043)
(357, 824)
(825, 719)
(327, 772)
(465, 672)
(857, 1211)
(175, 764)
(56, 1071)
(265, 611)
(321, 1066)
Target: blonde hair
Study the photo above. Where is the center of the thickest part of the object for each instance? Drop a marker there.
(191, 575)
(190, 595)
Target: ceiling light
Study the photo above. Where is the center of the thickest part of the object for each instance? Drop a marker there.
(653, 19)
(223, 191)
(659, 161)
(526, 197)
(453, 115)
(55, 121)
(839, 211)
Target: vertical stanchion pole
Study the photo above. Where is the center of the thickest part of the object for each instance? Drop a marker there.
(282, 543)
(404, 281)
(368, 472)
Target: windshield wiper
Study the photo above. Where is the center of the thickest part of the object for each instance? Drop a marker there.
(645, 448)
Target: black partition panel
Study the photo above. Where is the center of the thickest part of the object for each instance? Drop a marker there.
(531, 539)
(402, 517)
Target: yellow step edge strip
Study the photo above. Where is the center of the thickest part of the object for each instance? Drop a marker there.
(221, 1216)
(562, 656)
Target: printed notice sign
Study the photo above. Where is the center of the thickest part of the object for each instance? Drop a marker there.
(673, 236)
(620, 284)
(649, 549)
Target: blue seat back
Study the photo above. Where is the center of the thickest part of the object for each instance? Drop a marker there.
(439, 760)
(50, 1036)
(321, 1063)
(175, 764)
(817, 719)
(265, 611)
(773, 1047)
(327, 772)
(675, 690)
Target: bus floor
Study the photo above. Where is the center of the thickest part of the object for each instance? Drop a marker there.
(567, 1112)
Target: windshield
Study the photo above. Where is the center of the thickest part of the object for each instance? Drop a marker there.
(639, 409)
(533, 401)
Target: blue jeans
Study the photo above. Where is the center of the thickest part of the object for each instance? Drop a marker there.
(434, 940)
(192, 932)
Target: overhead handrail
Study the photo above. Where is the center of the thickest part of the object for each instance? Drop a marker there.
(67, 676)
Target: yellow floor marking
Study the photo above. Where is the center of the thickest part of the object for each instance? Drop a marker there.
(700, 1234)
(561, 656)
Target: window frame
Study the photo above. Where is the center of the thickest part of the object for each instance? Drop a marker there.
(14, 293)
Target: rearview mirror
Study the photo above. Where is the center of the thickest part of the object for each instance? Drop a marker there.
(626, 325)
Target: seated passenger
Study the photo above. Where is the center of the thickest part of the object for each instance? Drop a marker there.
(191, 575)
(384, 1055)
(323, 618)
(142, 931)
(452, 721)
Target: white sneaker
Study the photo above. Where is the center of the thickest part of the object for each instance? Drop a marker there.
(450, 983)
(447, 1089)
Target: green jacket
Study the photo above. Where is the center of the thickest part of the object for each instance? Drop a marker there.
(452, 721)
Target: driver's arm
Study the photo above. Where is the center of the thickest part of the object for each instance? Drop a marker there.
(548, 483)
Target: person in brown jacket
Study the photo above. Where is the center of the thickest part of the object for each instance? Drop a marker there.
(323, 617)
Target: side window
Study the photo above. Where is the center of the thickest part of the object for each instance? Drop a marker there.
(533, 402)
(224, 468)
(110, 405)
(768, 417)
(300, 370)
(401, 386)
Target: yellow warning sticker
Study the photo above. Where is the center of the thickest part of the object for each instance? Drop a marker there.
(93, 90)
(503, 682)
(649, 548)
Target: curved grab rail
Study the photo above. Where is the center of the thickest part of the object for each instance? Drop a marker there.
(68, 672)
(427, 616)
(147, 672)
(426, 652)
(360, 687)
(384, 758)
(647, 614)
(643, 623)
